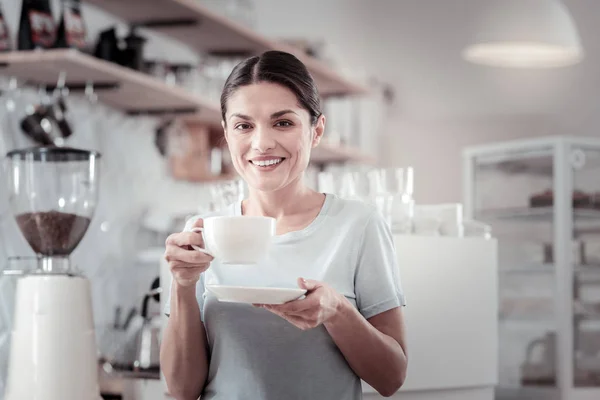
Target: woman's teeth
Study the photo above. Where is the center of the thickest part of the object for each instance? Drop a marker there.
(267, 163)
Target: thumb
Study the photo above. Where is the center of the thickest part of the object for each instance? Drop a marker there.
(308, 284)
(198, 222)
(193, 222)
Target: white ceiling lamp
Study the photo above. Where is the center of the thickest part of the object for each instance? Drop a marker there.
(525, 34)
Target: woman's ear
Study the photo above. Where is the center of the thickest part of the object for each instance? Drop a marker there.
(319, 129)
(224, 130)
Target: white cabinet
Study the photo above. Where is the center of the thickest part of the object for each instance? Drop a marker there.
(451, 294)
(450, 287)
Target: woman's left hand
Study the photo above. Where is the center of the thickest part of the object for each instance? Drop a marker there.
(320, 305)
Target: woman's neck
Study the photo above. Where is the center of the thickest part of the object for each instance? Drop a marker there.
(290, 200)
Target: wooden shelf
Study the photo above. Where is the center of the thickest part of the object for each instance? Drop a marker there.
(134, 92)
(117, 86)
(326, 153)
(191, 23)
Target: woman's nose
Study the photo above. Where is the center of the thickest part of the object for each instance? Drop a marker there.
(263, 140)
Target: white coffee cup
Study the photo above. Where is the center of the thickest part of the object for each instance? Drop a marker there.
(237, 240)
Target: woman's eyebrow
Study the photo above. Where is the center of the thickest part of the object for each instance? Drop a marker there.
(280, 113)
(241, 116)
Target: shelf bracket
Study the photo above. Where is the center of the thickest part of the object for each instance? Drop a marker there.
(169, 23)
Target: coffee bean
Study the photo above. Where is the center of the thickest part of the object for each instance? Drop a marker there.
(53, 233)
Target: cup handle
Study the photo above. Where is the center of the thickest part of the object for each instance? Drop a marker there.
(198, 248)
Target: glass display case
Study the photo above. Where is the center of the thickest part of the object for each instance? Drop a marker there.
(542, 198)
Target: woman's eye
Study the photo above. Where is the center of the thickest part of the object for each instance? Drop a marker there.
(283, 123)
(242, 127)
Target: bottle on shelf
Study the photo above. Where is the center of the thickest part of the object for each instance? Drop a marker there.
(37, 29)
(133, 54)
(5, 44)
(71, 30)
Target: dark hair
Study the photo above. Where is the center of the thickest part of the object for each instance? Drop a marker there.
(275, 67)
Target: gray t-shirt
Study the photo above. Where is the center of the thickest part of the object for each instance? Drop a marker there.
(257, 355)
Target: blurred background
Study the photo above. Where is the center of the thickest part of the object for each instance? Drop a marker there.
(472, 124)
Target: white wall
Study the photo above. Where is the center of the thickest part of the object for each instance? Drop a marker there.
(444, 103)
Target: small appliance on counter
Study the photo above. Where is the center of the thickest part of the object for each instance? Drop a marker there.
(53, 193)
(131, 370)
(540, 365)
(147, 344)
(135, 352)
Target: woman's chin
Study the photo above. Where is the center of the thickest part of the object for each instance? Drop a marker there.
(266, 186)
(270, 184)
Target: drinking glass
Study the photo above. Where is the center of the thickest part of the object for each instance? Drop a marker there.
(398, 183)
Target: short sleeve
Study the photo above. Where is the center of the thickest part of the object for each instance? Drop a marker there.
(377, 282)
(200, 290)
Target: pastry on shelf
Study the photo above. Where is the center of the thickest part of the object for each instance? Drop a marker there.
(595, 200)
(580, 199)
(544, 199)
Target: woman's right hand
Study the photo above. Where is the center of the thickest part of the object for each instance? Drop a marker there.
(185, 263)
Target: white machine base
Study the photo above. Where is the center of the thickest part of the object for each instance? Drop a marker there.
(53, 349)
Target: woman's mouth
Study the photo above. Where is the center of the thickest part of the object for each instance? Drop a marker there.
(267, 163)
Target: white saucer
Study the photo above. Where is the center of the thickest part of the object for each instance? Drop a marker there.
(255, 295)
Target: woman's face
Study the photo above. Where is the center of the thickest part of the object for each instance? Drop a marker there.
(269, 135)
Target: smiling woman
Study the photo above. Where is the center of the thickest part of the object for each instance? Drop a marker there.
(272, 119)
(348, 327)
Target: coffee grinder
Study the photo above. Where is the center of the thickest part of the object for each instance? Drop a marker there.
(53, 193)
